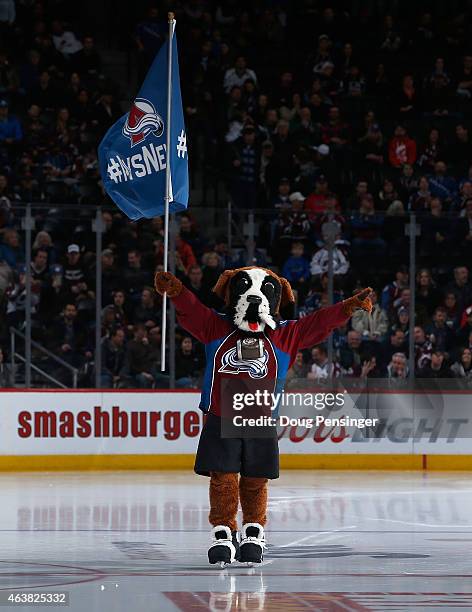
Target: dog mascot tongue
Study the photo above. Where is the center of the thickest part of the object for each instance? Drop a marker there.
(250, 345)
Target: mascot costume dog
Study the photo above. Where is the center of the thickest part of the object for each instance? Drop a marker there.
(250, 341)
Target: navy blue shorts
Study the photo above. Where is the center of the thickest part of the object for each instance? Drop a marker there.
(256, 457)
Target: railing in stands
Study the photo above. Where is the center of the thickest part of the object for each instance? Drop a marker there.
(14, 333)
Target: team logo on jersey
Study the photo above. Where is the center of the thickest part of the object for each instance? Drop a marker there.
(142, 120)
(256, 368)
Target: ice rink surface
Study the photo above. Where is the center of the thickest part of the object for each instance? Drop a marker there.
(137, 542)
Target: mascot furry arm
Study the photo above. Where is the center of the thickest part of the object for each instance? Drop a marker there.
(206, 325)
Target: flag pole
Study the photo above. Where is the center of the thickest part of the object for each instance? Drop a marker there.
(171, 19)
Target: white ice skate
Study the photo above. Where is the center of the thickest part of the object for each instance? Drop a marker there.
(251, 547)
(224, 547)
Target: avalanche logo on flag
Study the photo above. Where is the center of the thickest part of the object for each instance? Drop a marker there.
(133, 154)
(142, 120)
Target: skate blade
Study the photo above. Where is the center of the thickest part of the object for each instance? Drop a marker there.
(253, 564)
(220, 565)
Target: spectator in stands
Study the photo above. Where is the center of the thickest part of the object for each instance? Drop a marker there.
(110, 276)
(372, 148)
(10, 250)
(296, 269)
(190, 234)
(238, 75)
(184, 255)
(431, 152)
(366, 227)
(135, 276)
(304, 131)
(461, 287)
(222, 250)
(113, 359)
(5, 374)
(188, 365)
(362, 189)
(137, 358)
(423, 348)
(401, 148)
(460, 152)
(398, 366)
(283, 147)
(282, 198)
(316, 202)
(44, 241)
(319, 262)
(391, 292)
(74, 274)
(194, 282)
(401, 321)
(10, 130)
(394, 344)
(146, 311)
(420, 201)
(149, 36)
(39, 268)
(6, 193)
(464, 85)
(387, 195)
(6, 277)
(463, 367)
(297, 371)
(436, 368)
(464, 197)
(107, 111)
(435, 234)
(350, 356)
(120, 308)
(407, 184)
(441, 184)
(465, 330)
(463, 232)
(408, 100)
(373, 326)
(67, 337)
(370, 368)
(427, 295)
(321, 368)
(453, 313)
(87, 61)
(244, 159)
(440, 334)
(65, 41)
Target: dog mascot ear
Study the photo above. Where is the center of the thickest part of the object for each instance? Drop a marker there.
(222, 286)
(287, 296)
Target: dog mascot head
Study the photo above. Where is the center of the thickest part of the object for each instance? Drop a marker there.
(253, 297)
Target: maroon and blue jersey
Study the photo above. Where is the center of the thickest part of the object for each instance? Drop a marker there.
(279, 346)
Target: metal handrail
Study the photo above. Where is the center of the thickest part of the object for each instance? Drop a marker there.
(15, 332)
(42, 372)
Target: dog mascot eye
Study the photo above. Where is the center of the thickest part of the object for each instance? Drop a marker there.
(242, 284)
(269, 289)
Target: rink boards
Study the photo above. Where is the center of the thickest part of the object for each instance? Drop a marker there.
(45, 430)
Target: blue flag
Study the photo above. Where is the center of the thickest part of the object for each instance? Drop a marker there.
(132, 154)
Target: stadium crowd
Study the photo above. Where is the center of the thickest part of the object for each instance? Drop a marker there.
(332, 121)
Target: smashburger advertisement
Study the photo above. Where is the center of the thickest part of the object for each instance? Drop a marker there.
(134, 423)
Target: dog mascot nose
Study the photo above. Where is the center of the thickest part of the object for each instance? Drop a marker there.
(254, 299)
